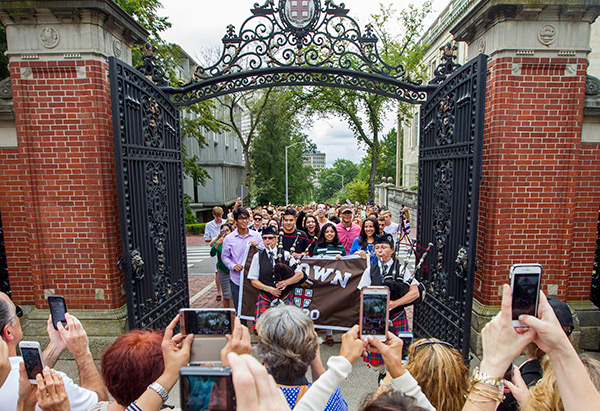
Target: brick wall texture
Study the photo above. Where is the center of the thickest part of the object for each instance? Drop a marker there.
(59, 201)
(540, 189)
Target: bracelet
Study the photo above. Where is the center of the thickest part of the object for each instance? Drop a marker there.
(479, 376)
(160, 390)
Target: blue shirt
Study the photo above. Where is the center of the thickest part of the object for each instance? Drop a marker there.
(370, 249)
(336, 401)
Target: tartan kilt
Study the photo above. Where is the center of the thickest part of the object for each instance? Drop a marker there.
(263, 302)
(399, 324)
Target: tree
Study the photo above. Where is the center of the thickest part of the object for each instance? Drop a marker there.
(356, 190)
(364, 112)
(331, 183)
(279, 128)
(253, 105)
(3, 58)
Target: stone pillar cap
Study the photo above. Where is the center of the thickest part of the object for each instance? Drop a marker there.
(134, 30)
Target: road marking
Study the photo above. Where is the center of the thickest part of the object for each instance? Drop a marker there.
(202, 292)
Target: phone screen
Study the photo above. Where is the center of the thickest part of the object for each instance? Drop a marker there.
(204, 392)
(58, 310)
(524, 294)
(33, 362)
(207, 322)
(374, 314)
(407, 340)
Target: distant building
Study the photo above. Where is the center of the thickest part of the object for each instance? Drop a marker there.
(222, 158)
(316, 160)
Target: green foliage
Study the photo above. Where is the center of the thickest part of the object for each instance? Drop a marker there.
(365, 112)
(254, 104)
(190, 217)
(356, 190)
(331, 183)
(279, 128)
(195, 229)
(4, 73)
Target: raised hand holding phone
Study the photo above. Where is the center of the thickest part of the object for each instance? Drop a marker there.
(374, 313)
(525, 281)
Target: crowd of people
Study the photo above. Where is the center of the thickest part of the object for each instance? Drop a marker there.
(140, 368)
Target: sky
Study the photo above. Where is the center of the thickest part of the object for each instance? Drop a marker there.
(199, 25)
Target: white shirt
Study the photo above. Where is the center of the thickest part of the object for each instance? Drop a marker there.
(392, 229)
(211, 229)
(81, 399)
(365, 280)
(253, 272)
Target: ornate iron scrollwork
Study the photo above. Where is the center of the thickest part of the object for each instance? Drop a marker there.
(150, 67)
(303, 42)
(159, 227)
(447, 65)
(462, 258)
(137, 263)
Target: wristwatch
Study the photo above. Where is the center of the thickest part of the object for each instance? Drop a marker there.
(479, 376)
(160, 390)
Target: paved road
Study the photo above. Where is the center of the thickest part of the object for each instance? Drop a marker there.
(203, 292)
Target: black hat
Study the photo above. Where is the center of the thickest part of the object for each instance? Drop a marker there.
(384, 239)
(562, 311)
(269, 230)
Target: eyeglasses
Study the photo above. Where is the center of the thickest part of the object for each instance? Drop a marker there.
(430, 343)
(268, 237)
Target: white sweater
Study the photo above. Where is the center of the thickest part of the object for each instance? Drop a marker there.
(338, 370)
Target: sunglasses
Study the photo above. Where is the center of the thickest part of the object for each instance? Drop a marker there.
(257, 218)
(268, 237)
(430, 343)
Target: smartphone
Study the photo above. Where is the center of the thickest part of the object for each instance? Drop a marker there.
(374, 314)
(508, 375)
(32, 357)
(525, 281)
(206, 388)
(407, 339)
(58, 308)
(209, 327)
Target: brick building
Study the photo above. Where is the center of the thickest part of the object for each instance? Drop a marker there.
(540, 187)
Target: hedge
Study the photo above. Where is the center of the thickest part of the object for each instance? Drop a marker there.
(195, 229)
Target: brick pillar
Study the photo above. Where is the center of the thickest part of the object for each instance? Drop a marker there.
(59, 207)
(540, 187)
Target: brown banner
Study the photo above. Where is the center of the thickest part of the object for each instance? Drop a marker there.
(330, 295)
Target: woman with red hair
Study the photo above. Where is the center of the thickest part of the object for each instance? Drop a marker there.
(143, 365)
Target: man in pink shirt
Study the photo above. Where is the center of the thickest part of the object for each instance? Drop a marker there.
(347, 230)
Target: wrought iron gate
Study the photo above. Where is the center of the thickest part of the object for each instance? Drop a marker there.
(450, 150)
(150, 186)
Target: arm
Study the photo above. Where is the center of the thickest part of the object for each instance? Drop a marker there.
(295, 279)
(409, 297)
(76, 340)
(176, 354)
(55, 347)
(576, 388)
(260, 286)
(339, 368)
(226, 256)
(501, 345)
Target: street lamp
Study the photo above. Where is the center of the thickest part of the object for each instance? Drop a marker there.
(287, 201)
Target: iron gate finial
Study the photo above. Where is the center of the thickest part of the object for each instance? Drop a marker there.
(150, 68)
(447, 66)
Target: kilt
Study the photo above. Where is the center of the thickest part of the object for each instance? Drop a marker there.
(263, 302)
(399, 324)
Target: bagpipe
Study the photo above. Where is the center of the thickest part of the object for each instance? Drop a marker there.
(282, 270)
(394, 280)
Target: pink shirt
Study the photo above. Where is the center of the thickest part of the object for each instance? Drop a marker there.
(347, 235)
